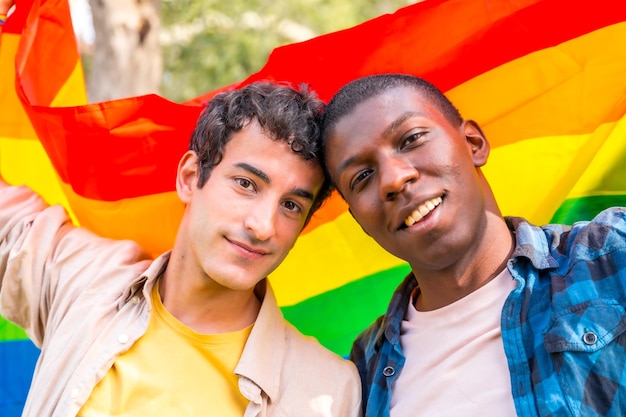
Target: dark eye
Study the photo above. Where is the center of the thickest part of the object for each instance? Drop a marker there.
(360, 178)
(291, 206)
(245, 183)
(413, 137)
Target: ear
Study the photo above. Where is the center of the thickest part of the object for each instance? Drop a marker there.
(187, 176)
(476, 142)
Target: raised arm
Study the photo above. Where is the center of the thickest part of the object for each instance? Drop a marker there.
(46, 262)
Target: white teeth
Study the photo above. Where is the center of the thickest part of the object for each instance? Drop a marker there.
(422, 211)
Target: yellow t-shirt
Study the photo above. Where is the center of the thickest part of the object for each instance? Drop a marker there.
(172, 371)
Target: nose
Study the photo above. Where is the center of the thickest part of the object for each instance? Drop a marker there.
(395, 173)
(261, 220)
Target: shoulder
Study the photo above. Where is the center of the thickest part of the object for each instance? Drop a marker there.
(368, 341)
(604, 234)
(306, 356)
(612, 221)
(554, 245)
(313, 373)
(590, 263)
(299, 345)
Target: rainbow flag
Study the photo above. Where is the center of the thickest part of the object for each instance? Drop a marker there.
(544, 78)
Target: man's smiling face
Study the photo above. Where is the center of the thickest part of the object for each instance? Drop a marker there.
(410, 176)
(243, 221)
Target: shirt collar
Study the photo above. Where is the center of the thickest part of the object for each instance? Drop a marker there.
(262, 357)
(142, 285)
(397, 307)
(533, 242)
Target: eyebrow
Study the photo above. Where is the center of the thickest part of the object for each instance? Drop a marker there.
(303, 193)
(388, 131)
(347, 163)
(254, 171)
(266, 179)
(403, 117)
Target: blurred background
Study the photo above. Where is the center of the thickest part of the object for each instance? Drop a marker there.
(181, 49)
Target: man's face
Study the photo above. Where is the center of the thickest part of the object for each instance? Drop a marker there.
(410, 177)
(242, 223)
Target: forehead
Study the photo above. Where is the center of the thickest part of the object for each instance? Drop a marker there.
(253, 146)
(380, 114)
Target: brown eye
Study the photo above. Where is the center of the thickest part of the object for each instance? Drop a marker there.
(361, 176)
(245, 183)
(411, 138)
(292, 206)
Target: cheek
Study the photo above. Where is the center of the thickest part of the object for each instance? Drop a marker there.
(287, 232)
(454, 171)
(365, 210)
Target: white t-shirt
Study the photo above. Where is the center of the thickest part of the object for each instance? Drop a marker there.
(455, 362)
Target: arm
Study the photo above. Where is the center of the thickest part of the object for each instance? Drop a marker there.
(5, 6)
(18, 206)
(46, 262)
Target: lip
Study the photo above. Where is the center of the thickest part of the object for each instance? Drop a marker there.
(410, 209)
(248, 251)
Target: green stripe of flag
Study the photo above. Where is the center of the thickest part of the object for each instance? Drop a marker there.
(336, 317)
(10, 331)
(586, 208)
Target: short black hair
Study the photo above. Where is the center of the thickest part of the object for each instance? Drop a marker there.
(361, 89)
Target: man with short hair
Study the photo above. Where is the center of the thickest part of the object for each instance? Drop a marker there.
(498, 317)
(196, 331)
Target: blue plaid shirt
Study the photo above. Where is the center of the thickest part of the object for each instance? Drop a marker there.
(563, 327)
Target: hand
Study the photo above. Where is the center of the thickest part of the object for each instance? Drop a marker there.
(5, 5)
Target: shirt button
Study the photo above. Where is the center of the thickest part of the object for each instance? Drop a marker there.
(590, 338)
(74, 393)
(389, 371)
(123, 338)
(135, 300)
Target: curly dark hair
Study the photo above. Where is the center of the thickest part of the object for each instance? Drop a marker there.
(288, 114)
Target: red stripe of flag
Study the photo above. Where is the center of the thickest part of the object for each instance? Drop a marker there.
(447, 42)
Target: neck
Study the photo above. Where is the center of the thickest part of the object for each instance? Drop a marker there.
(475, 269)
(205, 306)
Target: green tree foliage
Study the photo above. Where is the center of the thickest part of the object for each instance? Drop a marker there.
(209, 44)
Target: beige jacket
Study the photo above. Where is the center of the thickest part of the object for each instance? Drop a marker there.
(84, 300)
